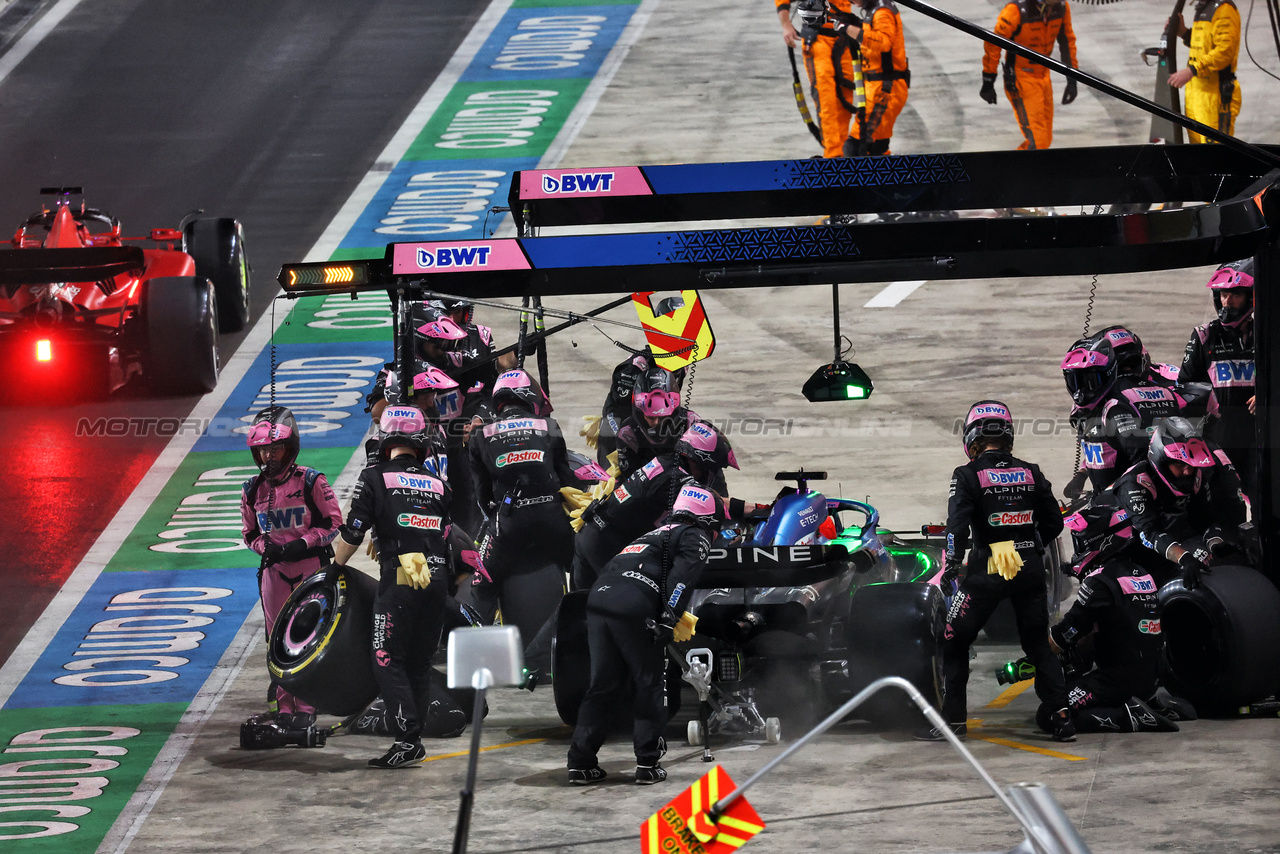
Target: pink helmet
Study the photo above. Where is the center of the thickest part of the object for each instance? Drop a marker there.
(403, 425)
(699, 506)
(1238, 275)
(708, 446)
(1175, 440)
(987, 419)
(274, 425)
(442, 329)
(1099, 533)
(516, 386)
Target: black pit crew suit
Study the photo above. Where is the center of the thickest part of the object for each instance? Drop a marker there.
(994, 498)
(408, 507)
(1223, 356)
(518, 464)
(617, 405)
(632, 590)
(1115, 434)
(1162, 519)
(1121, 601)
(636, 506)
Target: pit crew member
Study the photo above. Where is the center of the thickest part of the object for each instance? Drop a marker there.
(1038, 25)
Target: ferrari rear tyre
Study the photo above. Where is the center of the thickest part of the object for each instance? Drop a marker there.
(895, 630)
(179, 317)
(321, 645)
(1222, 639)
(217, 247)
(694, 733)
(772, 730)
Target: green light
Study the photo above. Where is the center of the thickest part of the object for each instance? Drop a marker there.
(838, 381)
(855, 392)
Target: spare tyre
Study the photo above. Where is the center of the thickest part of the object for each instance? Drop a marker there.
(1222, 639)
(895, 629)
(320, 647)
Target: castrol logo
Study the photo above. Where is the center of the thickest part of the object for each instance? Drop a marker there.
(422, 523)
(513, 457)
(1009, 519)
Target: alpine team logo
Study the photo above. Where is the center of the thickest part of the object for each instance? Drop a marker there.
(577, 182)
(512, 458)
(422, 523)
(1004, 520)
(454, 256)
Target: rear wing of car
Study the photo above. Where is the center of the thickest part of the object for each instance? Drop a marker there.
(49, 266)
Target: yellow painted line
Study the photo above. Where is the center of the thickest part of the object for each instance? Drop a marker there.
(1008, 695)
(483, 749)
(1043, 751)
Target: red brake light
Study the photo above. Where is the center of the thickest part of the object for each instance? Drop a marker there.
(44, 350)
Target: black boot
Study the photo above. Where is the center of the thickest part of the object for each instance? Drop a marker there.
(1142, 718)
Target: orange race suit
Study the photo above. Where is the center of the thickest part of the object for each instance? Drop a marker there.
(828, 60)
(1038, 25)
(884, 68)
(1213, 94)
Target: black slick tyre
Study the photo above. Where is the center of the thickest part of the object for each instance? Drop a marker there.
(895, 629)
(179, 318)
(321, 645)
(217, 247)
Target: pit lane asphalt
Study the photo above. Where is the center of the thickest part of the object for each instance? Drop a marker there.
(267, 112)
(693, 91)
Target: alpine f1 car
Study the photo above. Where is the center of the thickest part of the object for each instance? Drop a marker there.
(83, 307)
(794, 618)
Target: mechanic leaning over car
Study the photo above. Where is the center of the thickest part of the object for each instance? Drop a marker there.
(657, 421)
(1183, 501)
(635, 609)
(1113, 413)
(640, 503)
(519, 464)
(617, 403)
(1002, 510)
(1221, 353)
(1115, 624)
(408, 509)
(289, 516)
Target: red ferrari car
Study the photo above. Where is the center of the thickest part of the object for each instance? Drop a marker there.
(84, 309)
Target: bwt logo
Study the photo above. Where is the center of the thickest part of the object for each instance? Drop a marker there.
(514, 457)
(1007, 519)
(702, 430)
(1119, 337)
(586, 182)
(454, 256)
(1152, 394)
(998, 411)
(1232, 373)
(1005, 478)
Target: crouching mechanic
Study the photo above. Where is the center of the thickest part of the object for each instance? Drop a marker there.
(1006, 506)
(1117, 613)
(641, 591)
(289, 515)
(1183, 500)
(408, 508)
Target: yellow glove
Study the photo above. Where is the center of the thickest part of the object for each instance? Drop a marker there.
(574, 501)
(1004, 560)
(613, 471)
(685, 627)
(414, 570)
(591, 430)
(371, 550)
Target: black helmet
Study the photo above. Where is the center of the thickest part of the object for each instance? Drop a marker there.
(1132, 359)
(274, 426)
(706, 446)
(1176, 440)
(403, 426)
(448, 305)
(1090, 369)
(987, 420)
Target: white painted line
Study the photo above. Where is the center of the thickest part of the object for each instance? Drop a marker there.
(893, 294)
(34, 36)
(413, 125)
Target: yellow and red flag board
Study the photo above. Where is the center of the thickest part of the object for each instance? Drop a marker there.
(665, 332)
(683, 826)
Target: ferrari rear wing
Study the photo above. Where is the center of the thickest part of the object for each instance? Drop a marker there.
(50, 266)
